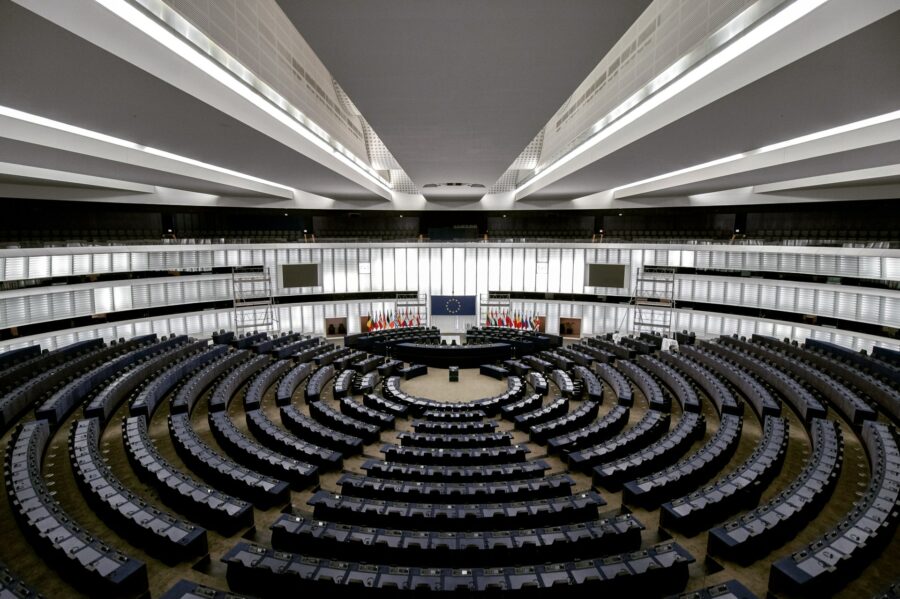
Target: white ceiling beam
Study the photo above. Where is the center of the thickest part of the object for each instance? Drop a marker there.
(852, 136)
(34, 129)
(844, 178)
(822, 26)
(195, 74)
(51, 176)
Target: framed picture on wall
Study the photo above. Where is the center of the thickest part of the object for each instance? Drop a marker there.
(570, 327)
(336, 327)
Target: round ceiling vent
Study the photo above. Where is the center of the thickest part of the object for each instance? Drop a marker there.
(453, 184)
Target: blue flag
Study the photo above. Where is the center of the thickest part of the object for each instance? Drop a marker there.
(453, 305)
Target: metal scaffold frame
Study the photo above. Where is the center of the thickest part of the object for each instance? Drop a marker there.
(492, 301)
(253, 299)
(653, 301)
(413, 303)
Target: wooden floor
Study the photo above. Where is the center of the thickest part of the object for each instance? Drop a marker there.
(21, 558)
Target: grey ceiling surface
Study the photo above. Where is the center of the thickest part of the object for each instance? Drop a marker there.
(457, 89)
(854, 78)
(69, 79)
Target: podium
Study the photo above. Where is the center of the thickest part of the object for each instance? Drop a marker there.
(453, 373)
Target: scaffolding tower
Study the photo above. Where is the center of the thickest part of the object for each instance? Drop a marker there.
(414, 305)
(491, 302)
(253, 307)
(654, 300)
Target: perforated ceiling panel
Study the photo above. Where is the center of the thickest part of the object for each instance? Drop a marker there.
(263, 40)
(665, 32)
(523, 165)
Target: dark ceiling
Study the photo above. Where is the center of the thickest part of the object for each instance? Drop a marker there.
(457, 89)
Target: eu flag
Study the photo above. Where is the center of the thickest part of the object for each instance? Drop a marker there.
(453, 305)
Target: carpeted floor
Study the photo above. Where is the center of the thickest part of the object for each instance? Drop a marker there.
(471, 385)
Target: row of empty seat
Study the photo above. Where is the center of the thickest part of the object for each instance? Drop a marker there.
(454, 504)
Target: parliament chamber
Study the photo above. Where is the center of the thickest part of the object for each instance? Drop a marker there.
(477, 299)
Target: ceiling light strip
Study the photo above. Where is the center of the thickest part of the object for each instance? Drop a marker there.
(674, 81)
(164, 25)
(33, 119)
(874, 121)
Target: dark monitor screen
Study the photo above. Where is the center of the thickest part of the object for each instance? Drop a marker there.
(300, 275)
(606, 275)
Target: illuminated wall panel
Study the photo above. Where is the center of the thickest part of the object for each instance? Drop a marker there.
(505, 269)
(389, 268)
(446, 280)
(471, 271)
(400, 269)
(460, 268)
(458, 285)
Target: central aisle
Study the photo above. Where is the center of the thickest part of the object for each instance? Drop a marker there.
(471, 386)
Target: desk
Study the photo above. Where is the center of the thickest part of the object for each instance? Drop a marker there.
(462, 356)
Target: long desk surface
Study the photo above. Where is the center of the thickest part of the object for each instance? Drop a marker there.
(442, 356)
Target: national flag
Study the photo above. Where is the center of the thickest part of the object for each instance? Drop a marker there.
(509, 321)
(369, 323)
